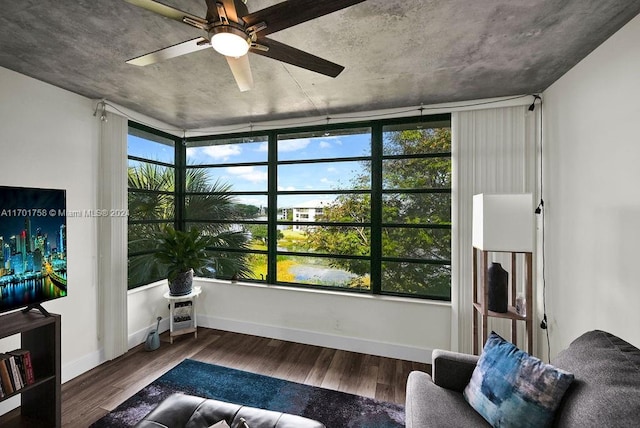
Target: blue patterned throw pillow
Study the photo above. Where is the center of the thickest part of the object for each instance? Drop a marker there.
(510, 388)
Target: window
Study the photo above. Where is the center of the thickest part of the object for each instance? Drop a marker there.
(355, 207)
(227, 197)
(319, 173)
(152, 199)
(416, 210)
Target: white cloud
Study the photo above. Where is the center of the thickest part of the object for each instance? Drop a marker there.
(248, 173)
(332, 169)
(300, 144)
(221, 152)
(293, 145)
(280, 188)
(325, 180)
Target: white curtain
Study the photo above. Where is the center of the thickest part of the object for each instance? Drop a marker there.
(112, 235)
(493, 152)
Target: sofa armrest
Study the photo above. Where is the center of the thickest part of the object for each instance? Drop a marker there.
(428, 405)
(452, 370)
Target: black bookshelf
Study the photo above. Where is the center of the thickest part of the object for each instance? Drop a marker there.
(41, 401)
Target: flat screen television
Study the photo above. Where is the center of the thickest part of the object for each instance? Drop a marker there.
(33, 243)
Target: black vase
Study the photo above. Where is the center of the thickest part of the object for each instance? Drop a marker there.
(498, 288)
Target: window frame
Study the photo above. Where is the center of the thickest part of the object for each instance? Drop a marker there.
(376, 192)
(175, 194)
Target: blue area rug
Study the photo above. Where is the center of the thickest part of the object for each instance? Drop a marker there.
(334, 409)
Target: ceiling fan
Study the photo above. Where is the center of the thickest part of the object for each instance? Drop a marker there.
(232, 31)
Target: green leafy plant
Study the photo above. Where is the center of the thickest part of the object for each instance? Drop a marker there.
(151, 197)
(182, 251)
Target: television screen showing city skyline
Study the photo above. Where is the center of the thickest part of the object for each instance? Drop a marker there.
(33, 246)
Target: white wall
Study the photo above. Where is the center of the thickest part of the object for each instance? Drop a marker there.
(144, 305)
(387, 326)
(592, 193)
(49, 138)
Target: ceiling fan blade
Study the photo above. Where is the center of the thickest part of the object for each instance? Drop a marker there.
(293, 12)
(293, 56)
(241, 72)
(212, 11)
(167, 11)
(171, 52)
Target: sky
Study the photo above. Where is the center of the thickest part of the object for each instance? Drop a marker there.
(42, 206)
(316, 177)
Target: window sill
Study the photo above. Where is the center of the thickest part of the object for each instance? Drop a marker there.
(327, 292)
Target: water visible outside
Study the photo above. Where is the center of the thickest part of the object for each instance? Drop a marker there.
(324, 275)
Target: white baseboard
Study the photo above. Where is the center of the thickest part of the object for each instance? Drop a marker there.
(81, 365)
(140, 336)
(94, 359)
(390, 350)
(353, 344)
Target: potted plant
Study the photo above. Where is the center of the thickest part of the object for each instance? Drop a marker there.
(184, 253)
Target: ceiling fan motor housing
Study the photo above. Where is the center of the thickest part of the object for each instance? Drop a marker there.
(230, 39)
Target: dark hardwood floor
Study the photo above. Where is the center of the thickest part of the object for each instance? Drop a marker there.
(88, 397)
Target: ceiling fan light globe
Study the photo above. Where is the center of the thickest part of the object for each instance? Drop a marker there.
(230, 43)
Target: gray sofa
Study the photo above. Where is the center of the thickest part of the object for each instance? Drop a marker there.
(605, 392)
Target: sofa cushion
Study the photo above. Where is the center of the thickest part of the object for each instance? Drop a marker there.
(511, 388)
(606, 390)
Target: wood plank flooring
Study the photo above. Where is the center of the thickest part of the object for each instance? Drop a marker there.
(90, 396)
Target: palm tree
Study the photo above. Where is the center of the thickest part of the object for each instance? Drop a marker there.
(152, 197)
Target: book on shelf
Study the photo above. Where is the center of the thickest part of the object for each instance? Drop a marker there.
(15, 372)
(5, 376)
(23, 360)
